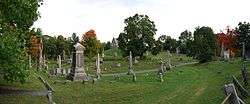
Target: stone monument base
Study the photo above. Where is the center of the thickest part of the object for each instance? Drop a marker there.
(78, 76)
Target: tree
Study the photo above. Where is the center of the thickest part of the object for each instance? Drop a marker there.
(50, 46)
(243, 31)
(17, 16)
(138, 35)
(107, 45)
(185, 40)
(91, 44)
(157, 48)
(167, 43)
(227, 41)
(204, 44)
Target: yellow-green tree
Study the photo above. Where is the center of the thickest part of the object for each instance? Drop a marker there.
(91, 43)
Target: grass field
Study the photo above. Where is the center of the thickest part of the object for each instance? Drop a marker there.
(191, 84)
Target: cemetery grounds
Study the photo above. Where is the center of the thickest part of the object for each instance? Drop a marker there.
(187, 84)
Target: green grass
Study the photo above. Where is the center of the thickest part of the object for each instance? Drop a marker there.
(191, 84)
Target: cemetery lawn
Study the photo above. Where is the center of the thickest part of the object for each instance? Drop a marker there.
(191, 84)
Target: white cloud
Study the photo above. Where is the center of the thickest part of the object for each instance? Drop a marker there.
(63, 17)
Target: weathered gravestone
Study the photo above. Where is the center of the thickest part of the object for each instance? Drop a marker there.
(177, 50)
(98, 69)
(134, 77)
(77, 72)
(40, 60)
(169, 55)
(161, 77)
(161, 70)
(130, 68)
(59, 66)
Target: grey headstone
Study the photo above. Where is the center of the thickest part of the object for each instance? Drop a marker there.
(77, 72)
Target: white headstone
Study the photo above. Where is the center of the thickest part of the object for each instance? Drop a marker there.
(130, 69)
(59, 61)
(40, 64)
(98, 69)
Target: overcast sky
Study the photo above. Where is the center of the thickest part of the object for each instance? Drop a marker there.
(106, 17)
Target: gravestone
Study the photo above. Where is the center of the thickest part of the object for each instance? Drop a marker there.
(68, 71)
(222, 50)
(161, 70)
(59, 61)
(134, 77)
(161, 77)
(169, 55)
(226, 54)
(177, 50)
(64, 56)
(77, 72)
(30, 61)
(98, 69)
(58, 71)
(130, 68)
(40, 61)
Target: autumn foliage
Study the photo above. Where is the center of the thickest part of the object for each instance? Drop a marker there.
(91, 43)
(36, 45)
(228, 39)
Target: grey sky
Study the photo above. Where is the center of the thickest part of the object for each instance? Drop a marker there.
(63, 17)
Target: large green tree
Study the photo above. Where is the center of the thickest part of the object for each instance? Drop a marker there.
(138, 35)
(204, 44)
(16, 17)
(243, 31)
(185, 40)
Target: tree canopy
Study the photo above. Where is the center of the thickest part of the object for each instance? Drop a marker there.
(138, 35)
(204, 44)
(16, 17)
(91, 44)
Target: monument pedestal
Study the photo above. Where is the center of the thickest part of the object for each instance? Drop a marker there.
(79, 75)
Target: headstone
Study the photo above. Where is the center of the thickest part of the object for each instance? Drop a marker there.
(64, 72)
(177, 50)
(222, 50)
(161, 70)
(98, 69)
(64, 56)
(103, 55)
(134, 77)
(40, 61)
(130, 68)
(58, 71)
(30, 61)
(77, 72)
(44, 61)
(161, 77)
(68, 71)
(226, 54)
(59, 61)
